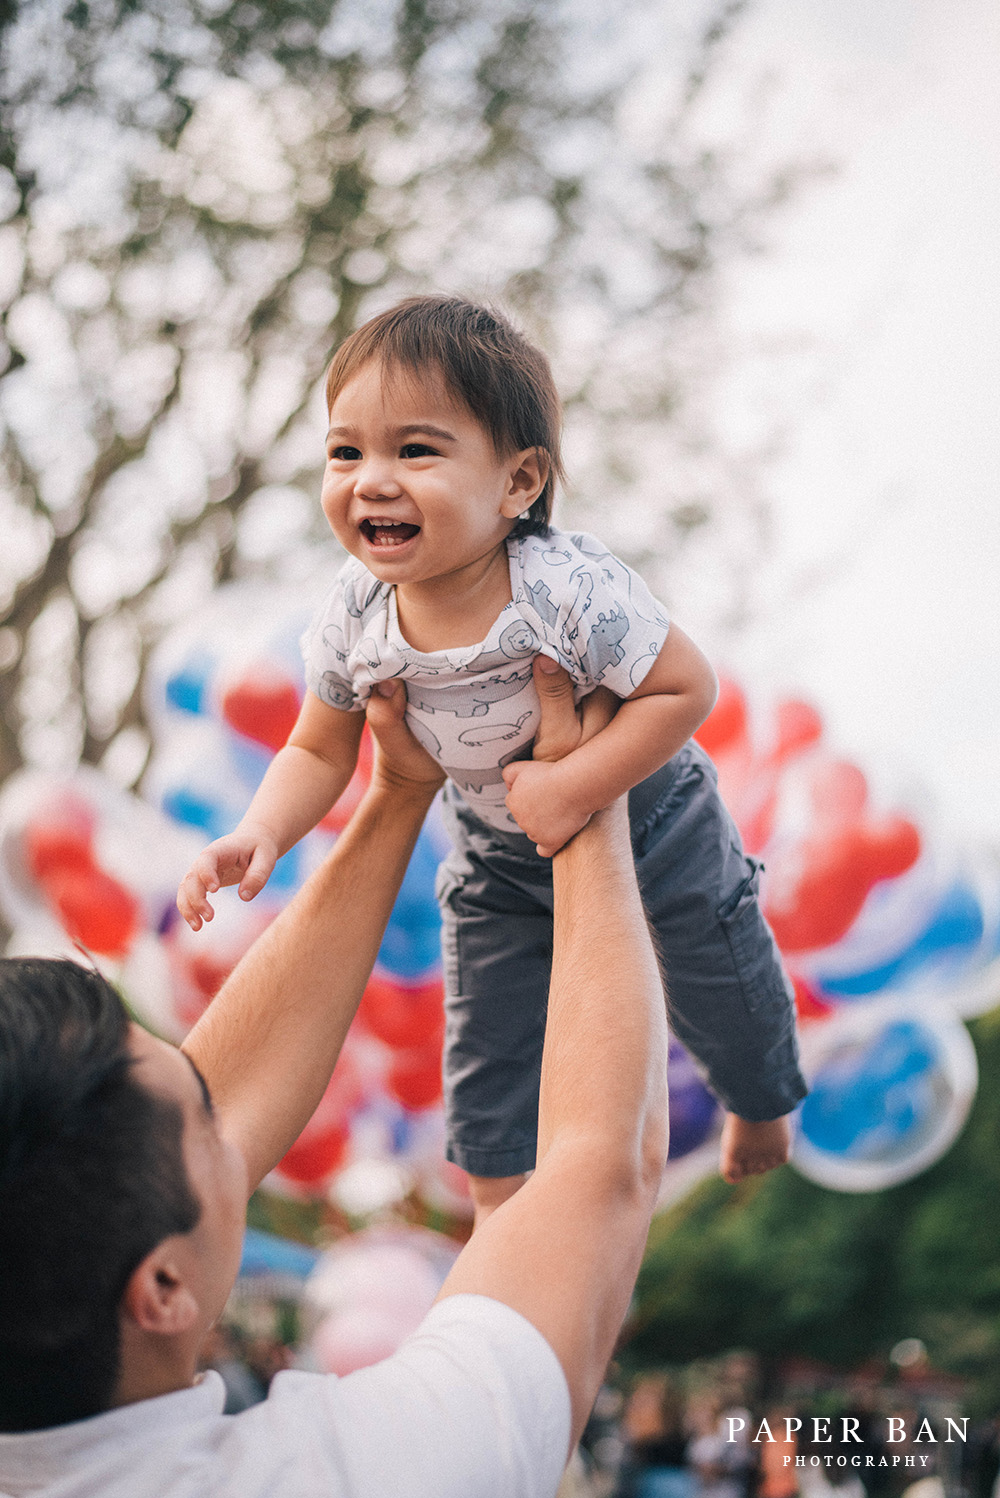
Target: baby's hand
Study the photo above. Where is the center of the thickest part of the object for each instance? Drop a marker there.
(245, 857)
(540, 803)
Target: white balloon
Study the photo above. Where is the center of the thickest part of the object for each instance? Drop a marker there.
(892, 1083)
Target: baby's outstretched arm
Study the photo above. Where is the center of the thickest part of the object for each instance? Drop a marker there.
(551, 802)
(302, 782)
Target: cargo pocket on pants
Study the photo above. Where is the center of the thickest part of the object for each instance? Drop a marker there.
(750, 944)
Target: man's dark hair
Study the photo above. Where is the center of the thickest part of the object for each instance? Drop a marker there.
(91, 1179)
(491, 367)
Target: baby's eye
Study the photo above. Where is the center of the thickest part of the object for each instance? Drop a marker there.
(345, 454)
(417, 450)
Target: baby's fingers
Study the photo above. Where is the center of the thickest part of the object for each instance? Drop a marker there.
(257, 874)
(192, 901)
(202, 879)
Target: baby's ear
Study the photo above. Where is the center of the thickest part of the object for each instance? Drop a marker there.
(529, 471)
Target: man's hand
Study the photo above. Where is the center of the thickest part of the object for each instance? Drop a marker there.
(540, 794)
(400, 763)
(561, 726)
(245, 857)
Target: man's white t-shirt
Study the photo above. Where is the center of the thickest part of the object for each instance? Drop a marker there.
(473, 1405)
(475, 708)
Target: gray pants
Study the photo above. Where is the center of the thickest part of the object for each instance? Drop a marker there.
(729, 1000)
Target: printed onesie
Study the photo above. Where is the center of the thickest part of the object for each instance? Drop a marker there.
(475, 709)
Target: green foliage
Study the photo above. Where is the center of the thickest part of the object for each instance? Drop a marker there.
(786, 1268)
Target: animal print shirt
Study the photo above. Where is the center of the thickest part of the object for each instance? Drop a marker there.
(475, 709)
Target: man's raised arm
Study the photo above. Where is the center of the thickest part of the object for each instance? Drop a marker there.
(268, 1042)
(564, 1251)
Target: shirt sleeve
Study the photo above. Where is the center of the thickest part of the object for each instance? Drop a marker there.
(610, 624)
(605, 625)
(473, 1405)
(328, 641)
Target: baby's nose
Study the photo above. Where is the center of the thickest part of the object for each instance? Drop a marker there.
(377, 480)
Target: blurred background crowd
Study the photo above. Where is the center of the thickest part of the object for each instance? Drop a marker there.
(735, 1426)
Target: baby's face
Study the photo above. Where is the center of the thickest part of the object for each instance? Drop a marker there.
(413, 485)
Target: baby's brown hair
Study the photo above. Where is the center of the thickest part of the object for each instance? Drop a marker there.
(497, 374)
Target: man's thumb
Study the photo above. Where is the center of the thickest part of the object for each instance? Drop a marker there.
(551, 680)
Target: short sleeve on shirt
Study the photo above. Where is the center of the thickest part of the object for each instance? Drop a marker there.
(333, 634)
(473, 1405)
(596, 614)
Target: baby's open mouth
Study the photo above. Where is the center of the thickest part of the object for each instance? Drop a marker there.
(388, 532)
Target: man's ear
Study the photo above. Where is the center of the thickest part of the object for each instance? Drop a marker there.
(529, 471)
(157, 1298)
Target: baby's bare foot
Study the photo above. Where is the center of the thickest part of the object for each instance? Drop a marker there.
(750, 1149)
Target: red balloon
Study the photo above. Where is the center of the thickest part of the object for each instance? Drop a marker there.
(52, 846)
(756, 821)
(839, 792)
(198, 978)
(94, 909)
(315, 1156)
(726, 724)
(799, 725)
(402, 1016)
(208, 973)
(836, 876)
(894, 849)
(809, 1007)
(262, 707)
(414, 1078)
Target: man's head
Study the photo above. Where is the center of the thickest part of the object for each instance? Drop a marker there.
(486, 365)
(108, 1161)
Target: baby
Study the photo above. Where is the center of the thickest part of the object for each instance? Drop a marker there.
(442, 457)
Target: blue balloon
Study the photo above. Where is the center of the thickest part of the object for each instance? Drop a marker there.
(412, 944)
(867, 1101)
(286, 874)
(185, 805)
(410, 950)
(954, 928)
(185, 689)
(249, 760)
(263, 1253)
(402, 1132)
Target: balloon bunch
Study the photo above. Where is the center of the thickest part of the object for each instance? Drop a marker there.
(84, 863)
(891, 936)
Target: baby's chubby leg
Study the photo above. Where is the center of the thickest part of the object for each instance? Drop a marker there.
(490, 1192)
(752, 1149)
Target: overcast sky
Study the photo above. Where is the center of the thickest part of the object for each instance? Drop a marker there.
(871, 334)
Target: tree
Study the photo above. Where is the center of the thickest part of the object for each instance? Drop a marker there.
(201, 197)
(787, 1269)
